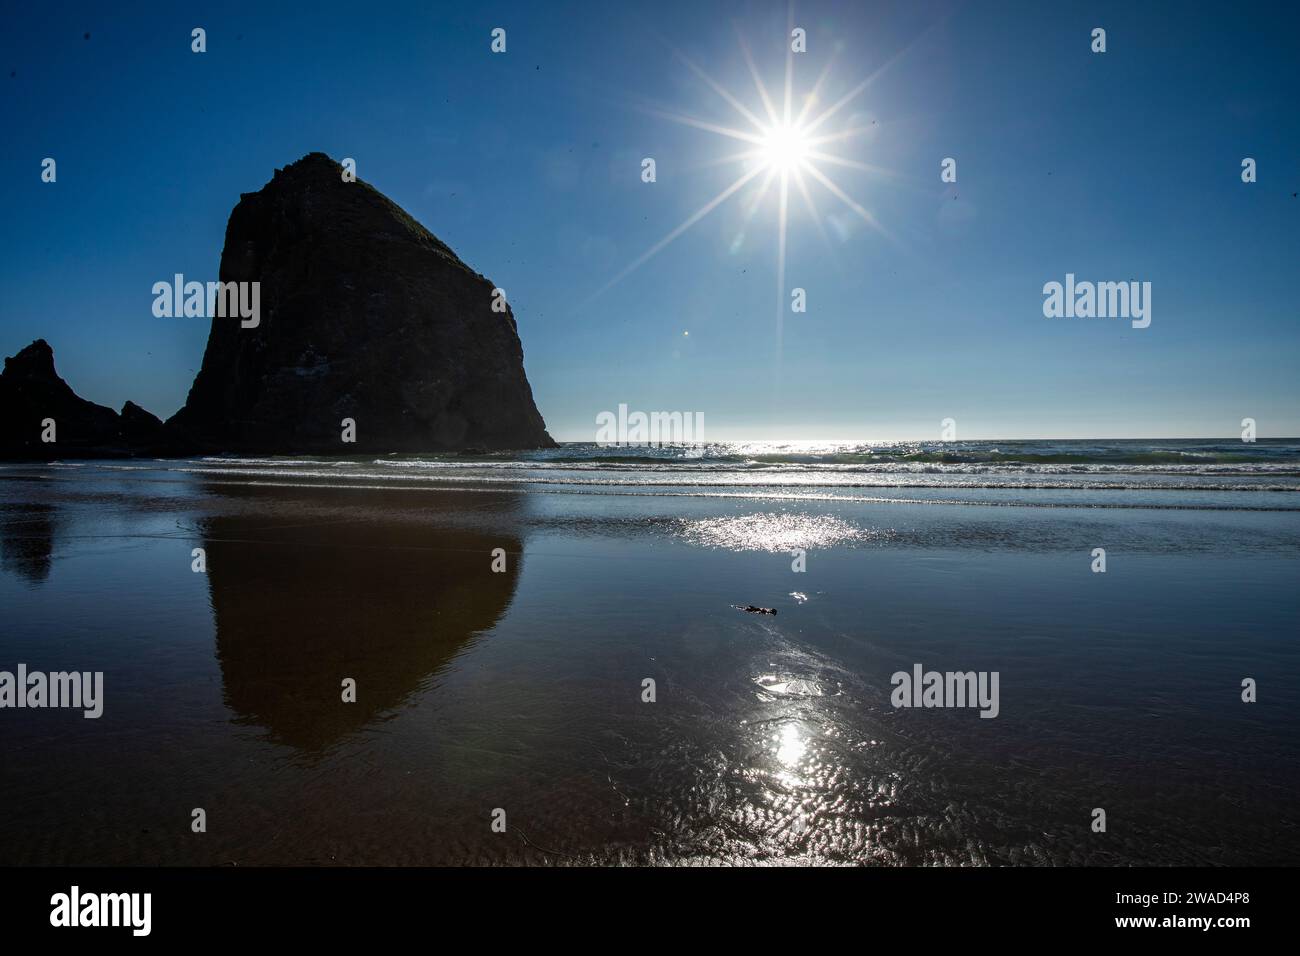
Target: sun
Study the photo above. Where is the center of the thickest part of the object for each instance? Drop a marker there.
(783, 148)
(784, 154)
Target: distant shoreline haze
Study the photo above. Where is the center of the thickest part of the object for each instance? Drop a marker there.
(756, 435)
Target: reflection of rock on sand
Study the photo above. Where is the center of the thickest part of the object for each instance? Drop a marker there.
(301, 606)
(27, 539)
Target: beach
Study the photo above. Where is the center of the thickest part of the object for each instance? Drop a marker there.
(771, 738)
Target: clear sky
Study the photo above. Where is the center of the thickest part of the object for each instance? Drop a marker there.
(1124, 165)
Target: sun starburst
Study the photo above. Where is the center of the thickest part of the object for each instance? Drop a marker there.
(782, 147)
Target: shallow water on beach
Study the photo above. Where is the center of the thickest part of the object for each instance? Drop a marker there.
(771, 739)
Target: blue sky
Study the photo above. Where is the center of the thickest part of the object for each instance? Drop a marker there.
(1116, 166)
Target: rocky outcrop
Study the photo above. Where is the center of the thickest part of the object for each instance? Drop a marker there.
(364, 315)
(35, 403)
(144, 432)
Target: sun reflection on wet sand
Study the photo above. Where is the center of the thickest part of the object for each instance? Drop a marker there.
(790, 746)
(772, 531)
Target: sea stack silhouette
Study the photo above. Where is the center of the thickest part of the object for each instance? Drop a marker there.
(364, 315)
(35, 401)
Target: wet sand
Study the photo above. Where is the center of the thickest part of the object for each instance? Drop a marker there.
(771, 738)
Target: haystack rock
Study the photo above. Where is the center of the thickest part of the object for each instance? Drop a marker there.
(364, 315)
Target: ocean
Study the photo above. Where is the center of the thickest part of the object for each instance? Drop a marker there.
(552, 661)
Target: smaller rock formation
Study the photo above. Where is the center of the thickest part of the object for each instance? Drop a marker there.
(144, 432)
(31, 393)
